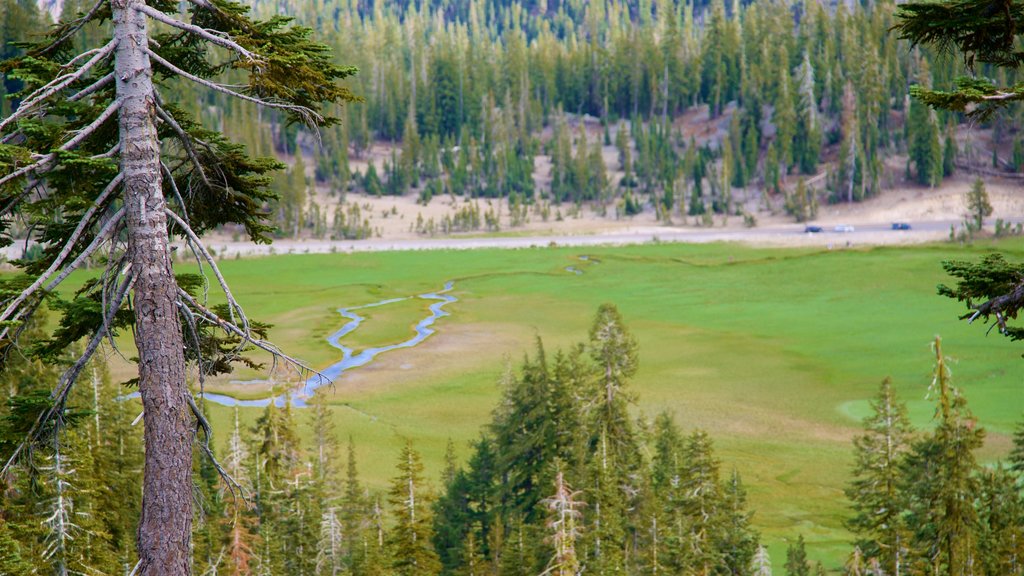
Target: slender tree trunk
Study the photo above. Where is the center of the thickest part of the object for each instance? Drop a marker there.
(166, 524)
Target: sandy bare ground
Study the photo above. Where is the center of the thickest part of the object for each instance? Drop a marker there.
(930, 212)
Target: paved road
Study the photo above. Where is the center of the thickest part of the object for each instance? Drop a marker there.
(785, 235)
(791, 234)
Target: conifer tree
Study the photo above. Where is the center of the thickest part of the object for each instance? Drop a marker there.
(978, 205)
(614, 350)
(409, 540)
(12, 561)
(564, 519)
(606, 527)
(807, 138)
(941, 483)
(1016, 457)
(877, 499)
(1001, 523)
(761, 565)
(796, 559)
(702, 504)
(737, 540)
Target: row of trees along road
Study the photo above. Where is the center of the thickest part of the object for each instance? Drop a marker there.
(99, 162)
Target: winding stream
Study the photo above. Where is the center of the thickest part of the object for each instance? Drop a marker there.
(349, 358)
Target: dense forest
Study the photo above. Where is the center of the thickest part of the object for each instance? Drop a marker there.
(710, 108)
(566, 479)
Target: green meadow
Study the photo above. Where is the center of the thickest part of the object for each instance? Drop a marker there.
(775, 352)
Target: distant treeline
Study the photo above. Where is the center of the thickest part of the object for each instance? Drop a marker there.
(565, 480)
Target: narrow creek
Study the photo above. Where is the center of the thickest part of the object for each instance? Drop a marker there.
(349, 357)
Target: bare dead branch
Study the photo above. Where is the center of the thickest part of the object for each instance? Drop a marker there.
(186, 142)
(109, 153)
(208, 35)
(92, 88)
(233, 306)
(87, 131)
(112, 271)
(1002, 306)
(102, 236)
(204, 4)
(169, 176)
(76, 25)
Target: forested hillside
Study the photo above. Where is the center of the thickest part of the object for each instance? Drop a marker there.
(684, 109)
(680, 108)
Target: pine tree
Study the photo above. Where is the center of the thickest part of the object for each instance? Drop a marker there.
(761, 565)
(564, 528)
(796, 559)
(924, 148)
(614, 349)
(606, 526)
(354, 513)
(409, 540)
(878, 502)
(807, 138)
(12, 561)
(702, 504)
(1001, 523)
(939, 477)
(737, 541)
(1016, 457)
(978, 205)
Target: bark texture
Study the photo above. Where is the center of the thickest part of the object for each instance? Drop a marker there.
(164, 536)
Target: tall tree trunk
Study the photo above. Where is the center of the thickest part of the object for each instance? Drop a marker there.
(166, 524)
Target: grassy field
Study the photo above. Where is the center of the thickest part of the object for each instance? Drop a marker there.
(773, 351)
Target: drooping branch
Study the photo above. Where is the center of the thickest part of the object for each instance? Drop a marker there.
(310, 117)
(87, 131)
(169, 176)
(221, 40)
(82, 134)
(233, 306)
(202, 424)
(57, 84)
(102, 236)
(76, 235)
(186, 143)
(231, 328)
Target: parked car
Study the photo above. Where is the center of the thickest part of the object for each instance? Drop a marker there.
(844, 228)
(900, 226)
(812, 229)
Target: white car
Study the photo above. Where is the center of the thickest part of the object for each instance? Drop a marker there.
(843, 228)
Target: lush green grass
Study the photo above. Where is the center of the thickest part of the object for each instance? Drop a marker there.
(774, 352)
